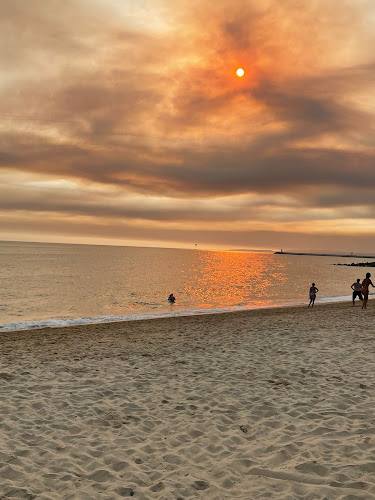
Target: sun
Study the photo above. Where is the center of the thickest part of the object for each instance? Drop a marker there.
(240, 72)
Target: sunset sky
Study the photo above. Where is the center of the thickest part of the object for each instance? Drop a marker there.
(123, 122)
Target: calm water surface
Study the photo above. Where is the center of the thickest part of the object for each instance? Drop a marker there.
(53, 284)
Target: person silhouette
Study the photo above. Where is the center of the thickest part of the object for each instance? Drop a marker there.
(171, 298)
(365, 284)
(357, 287)
(312, 294)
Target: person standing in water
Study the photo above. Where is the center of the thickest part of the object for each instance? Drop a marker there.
(365, 284)
(312, 294)
(357, 287)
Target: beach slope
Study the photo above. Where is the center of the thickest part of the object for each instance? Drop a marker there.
(262, 404)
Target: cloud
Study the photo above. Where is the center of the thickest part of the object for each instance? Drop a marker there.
(250, 211)
(146, 105)
(116, 232)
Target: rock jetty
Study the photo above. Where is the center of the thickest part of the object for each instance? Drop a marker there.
(358, 264)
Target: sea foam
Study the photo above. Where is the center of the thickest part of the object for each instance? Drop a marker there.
(57, 323)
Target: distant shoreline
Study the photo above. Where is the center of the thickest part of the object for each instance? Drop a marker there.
(353, 256)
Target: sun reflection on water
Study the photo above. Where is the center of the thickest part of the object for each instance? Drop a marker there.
(235, 279)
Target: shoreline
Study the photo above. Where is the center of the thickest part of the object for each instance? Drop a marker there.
(147, 324)
(247, 404)
(33, 325)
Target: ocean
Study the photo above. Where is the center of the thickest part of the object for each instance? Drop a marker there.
(44, 284)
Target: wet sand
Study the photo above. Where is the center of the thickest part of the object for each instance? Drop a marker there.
(261, 404)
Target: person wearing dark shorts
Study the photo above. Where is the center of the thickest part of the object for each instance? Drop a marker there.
(357, 287)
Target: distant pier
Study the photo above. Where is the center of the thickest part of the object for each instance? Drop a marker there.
(351, 255)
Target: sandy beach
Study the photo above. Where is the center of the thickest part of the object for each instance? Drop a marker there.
(274, 404)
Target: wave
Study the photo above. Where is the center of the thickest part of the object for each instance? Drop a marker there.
(57, 323)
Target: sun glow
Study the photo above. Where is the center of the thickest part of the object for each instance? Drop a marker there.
(240, 72)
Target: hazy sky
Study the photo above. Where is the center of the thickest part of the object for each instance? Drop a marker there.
(123, 122)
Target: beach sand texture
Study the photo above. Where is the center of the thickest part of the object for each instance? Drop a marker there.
(262, 404)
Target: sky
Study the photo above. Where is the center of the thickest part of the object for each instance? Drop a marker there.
(123, 122)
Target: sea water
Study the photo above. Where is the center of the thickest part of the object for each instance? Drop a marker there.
(45, 284)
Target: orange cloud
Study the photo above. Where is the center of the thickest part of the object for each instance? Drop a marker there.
(146, 104)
